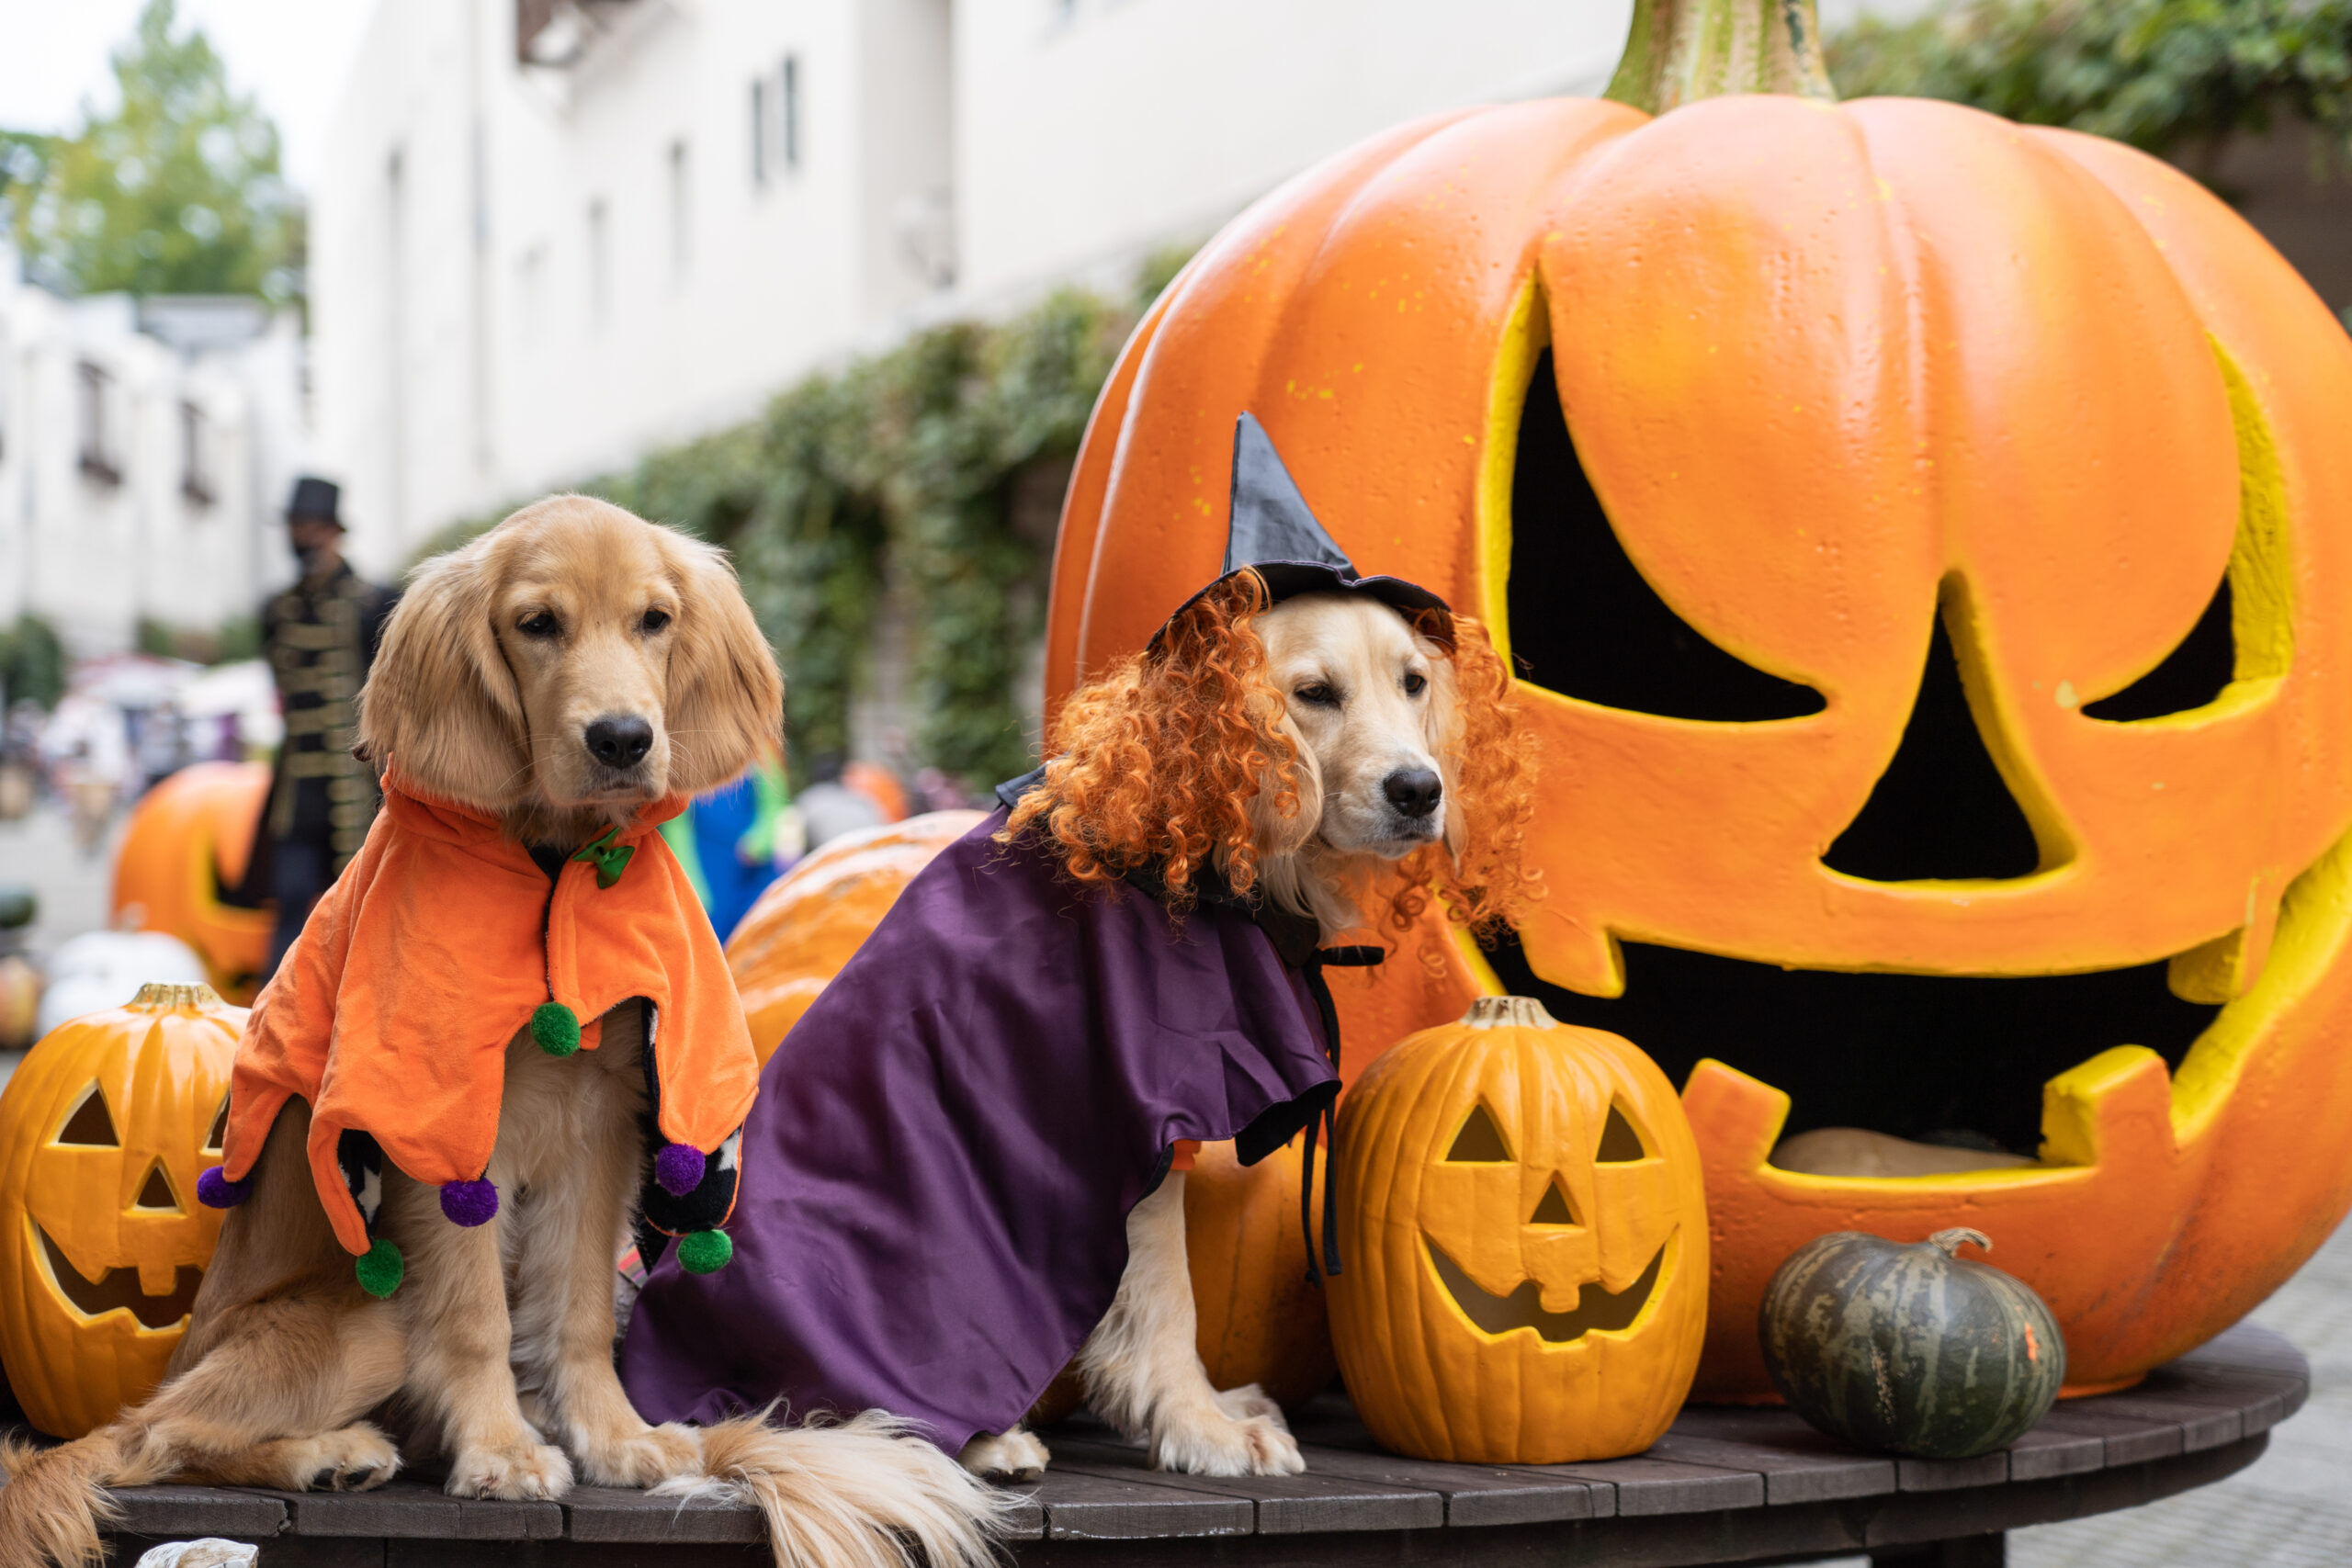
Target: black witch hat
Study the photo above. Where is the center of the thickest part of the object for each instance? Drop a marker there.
(1274, 534)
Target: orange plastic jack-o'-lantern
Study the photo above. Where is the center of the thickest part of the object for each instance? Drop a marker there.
(1927, 543)
(184, 847)
(1526, 1243)
(103, 1128)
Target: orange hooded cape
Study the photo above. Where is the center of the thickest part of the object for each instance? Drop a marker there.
(393, 1009)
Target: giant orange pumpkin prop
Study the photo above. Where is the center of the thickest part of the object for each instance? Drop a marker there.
(1526, 1243)
(1926, 542)
(103, 1128)
(185, 845)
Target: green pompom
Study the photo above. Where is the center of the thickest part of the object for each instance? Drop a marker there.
(381, 1270)
(705, 1252)
(556, 1028)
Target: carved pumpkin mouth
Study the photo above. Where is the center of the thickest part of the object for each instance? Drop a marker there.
(118, 1288)
(1597, 1307)
(1933, 1058)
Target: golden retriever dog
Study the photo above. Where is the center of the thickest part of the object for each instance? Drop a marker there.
(1393, 760)
(560, 672)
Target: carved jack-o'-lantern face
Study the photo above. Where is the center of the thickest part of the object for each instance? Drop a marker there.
(1926, 539)
(1525, 1242)
(103, 1128)
(186, 843)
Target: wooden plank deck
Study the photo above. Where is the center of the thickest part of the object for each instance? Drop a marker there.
(1725, 1487)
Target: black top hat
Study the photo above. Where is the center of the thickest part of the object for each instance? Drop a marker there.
(1274, 533)
(314, 501)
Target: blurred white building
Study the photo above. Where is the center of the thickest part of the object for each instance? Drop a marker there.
(553, 234)
(145, 450)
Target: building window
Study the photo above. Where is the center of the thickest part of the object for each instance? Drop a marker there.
(600, 264)
(97, 448)
(760, 132)
(195, 483)
(681, 214)
(789, 111)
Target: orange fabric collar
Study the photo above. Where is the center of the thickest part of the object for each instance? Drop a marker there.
(393, 1011)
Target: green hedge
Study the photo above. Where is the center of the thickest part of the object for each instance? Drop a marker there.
(2172, 76)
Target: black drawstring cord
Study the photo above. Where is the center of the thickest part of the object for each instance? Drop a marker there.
(1326, 1117)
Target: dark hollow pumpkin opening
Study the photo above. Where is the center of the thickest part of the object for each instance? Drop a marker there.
(2191, 676)
(1936, 1058)
(1941, 809)
(1584, 622)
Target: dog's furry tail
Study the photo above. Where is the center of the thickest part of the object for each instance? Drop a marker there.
(54, 1501)
(866, 1493)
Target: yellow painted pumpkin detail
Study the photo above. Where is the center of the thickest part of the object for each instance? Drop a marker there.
(1525, 1242)
(103, 1128)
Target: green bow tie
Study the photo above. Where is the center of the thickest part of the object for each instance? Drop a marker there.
(610, 859)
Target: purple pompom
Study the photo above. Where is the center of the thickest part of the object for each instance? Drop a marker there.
(678, 1167)
(215, 1190)
(470, 1203)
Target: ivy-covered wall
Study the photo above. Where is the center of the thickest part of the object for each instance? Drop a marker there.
(894, 478)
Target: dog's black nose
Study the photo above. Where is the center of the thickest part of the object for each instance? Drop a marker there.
(620, 742)
(1414, 791)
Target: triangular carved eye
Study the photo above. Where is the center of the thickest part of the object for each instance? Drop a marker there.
(1552, 1210)
(1480, 1142)
(1619, 1142)
(1583, 622)
(217, 1139)
(90, 1123)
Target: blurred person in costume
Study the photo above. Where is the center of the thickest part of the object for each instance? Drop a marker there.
(320, 637)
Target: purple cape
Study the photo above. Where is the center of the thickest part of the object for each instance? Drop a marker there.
(937, 1173)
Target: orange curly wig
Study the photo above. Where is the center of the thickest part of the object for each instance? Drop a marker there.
(1162, 757)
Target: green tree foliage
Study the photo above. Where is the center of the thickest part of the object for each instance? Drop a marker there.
(177, 192)
(2166, 75)
(32, 663)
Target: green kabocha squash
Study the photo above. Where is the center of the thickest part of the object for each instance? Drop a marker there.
(1910, 1348)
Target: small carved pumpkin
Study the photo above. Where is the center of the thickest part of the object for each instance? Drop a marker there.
(1525, 1242)
(185, 845)
(104, 1129)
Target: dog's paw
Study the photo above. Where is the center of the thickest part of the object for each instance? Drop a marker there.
(1206, 1440)
(526, 1472)
(1016, 1455)
(646, 1458)
(1249, 1401)
(353, 1458)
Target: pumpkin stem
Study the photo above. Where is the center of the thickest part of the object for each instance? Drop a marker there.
(1508, 1012)
(1952, 1240)
(1681, 50)
(157, 994)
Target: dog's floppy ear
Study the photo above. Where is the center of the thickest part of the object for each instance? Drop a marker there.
(724, 706)
(440, 700)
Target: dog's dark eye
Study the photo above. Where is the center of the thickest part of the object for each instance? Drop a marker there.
(1320, 694)
(539, 623)
(654, 621)
(1415, 682)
